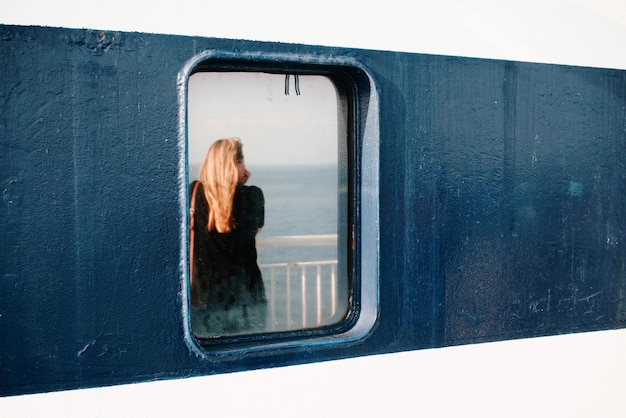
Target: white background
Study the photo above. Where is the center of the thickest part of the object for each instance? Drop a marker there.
(575, 375)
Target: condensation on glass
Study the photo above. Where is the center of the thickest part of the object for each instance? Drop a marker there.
(294, 134)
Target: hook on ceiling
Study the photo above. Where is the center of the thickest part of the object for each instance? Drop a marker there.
(296, 80)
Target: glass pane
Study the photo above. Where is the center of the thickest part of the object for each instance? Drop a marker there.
(293, 132)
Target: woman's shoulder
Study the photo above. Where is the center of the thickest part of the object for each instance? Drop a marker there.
(250, 196)
(195, 185)
(253, 191)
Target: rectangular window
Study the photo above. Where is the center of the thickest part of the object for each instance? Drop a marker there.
(293, 130)
(280, 145)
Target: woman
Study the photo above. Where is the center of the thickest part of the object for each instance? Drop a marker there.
(227, 291)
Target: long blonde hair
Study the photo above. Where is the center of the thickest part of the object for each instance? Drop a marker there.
(219, 177)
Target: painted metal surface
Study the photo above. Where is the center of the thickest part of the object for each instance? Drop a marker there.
(502, 188)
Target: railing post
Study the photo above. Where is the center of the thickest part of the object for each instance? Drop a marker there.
(288, 296)
(303, 296)
(273, 296)
(319, 294)
(333, 279)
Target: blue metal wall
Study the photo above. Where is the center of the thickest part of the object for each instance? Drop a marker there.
(502, 195)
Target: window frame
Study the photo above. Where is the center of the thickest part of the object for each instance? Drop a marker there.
(357, 91)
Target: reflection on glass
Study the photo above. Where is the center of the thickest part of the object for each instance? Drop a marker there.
(293, 135)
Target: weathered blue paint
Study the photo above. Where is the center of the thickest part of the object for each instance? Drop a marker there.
(502, 188)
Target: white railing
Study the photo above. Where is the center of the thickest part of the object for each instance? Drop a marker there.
(317, 302)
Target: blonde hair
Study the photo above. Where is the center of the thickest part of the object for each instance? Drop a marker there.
(218, 175)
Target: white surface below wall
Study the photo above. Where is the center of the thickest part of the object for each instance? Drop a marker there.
(580, 375)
